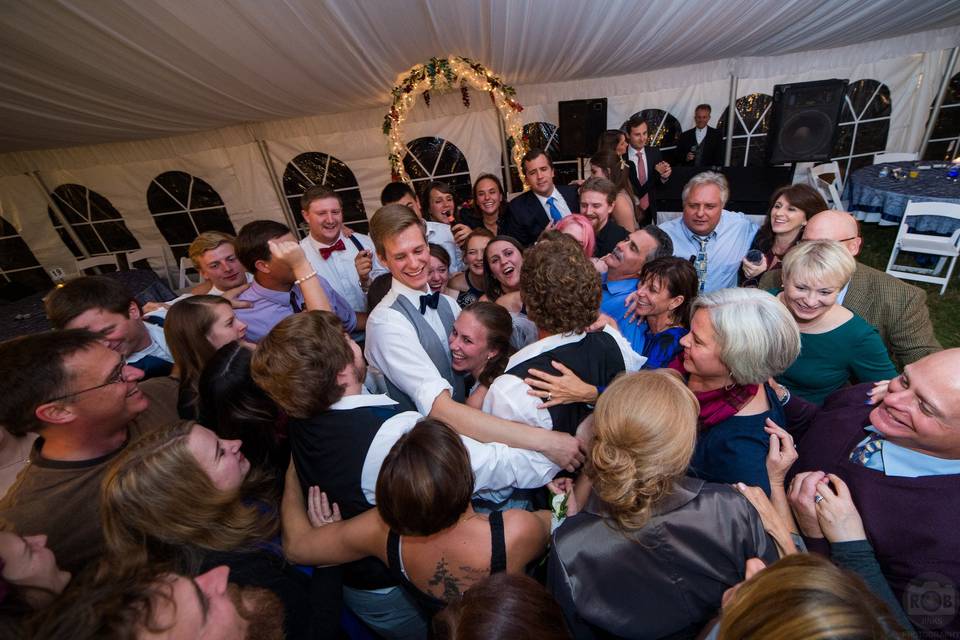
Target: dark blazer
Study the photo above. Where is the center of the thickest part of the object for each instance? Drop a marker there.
(653, 157)
(665, 579)
(897, 309)
(526, 218)
(710, 152)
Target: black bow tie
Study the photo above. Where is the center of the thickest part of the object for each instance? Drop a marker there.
(429, 300)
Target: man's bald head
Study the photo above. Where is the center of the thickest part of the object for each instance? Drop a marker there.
(835, 225)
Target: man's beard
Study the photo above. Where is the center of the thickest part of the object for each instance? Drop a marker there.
(262, 611)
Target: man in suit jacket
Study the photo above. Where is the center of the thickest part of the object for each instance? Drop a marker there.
(529, 213)
(701, 146)
(647, 167)
(898, 310)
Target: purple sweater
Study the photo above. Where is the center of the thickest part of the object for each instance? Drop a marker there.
(912, 523)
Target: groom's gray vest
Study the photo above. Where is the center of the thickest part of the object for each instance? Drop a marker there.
(431, 344)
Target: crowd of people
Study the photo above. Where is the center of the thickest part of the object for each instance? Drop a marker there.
(542, 418)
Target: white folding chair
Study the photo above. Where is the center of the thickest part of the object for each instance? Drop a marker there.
(154, 253)
(97, 261)
(801, 172)
(894, 156)
(916, 242)
(829, 189)
(185, 281)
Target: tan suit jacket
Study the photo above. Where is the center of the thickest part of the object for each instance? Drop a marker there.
(898, 310)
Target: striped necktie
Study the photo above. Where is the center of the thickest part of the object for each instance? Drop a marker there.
(862, 453)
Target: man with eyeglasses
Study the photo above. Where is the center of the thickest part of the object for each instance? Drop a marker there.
(85, 403)
(898, 310)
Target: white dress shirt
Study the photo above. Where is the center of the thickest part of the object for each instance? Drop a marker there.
(507, 397)
(340, 269)
(700, 134)
(393, 348)
(496, 467)
(440, 233)
(558, 200)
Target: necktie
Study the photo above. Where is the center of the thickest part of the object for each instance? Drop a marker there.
(325, 253)
(555, 214)
(294, 303)
(862, 453)
(642, 177)
(429, 300)
(700, 264)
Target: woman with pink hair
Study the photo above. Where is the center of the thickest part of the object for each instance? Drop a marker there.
(580, 228)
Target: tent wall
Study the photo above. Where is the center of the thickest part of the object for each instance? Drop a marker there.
(230, 161)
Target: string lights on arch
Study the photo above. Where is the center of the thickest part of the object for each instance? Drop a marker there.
(449, 74)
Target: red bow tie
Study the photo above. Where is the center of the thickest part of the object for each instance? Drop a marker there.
(337, 246)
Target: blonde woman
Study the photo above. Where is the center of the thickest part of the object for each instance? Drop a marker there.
(837, 345)
(652, 551)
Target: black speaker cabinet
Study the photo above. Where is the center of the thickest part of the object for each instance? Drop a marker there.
(803, 123)
(581, 123)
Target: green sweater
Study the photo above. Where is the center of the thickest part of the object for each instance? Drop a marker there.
(853, 352)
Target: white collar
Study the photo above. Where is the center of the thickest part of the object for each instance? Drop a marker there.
(403, 290)
(362, 400)
(541, 346)
(555, 194)
(320, 245)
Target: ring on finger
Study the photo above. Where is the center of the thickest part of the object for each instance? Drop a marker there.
(549, 397)
(817, 499)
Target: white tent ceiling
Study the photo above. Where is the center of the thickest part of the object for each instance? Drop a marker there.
(77, 72)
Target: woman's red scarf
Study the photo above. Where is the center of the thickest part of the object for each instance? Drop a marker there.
(717, 405)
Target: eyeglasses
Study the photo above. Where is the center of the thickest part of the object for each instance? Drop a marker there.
(116, 376)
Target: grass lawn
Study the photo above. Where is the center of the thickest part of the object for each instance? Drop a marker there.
(944, 310)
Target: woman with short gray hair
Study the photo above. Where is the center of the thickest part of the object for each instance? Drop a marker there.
(738, 339)
(837, 345)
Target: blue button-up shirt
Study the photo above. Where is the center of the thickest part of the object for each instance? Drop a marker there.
(613, 304)
(726, 246)
(894, 460)
(270, 307)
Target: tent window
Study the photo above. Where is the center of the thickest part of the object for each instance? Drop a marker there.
(546, 136)
(183, 206)
(314, 168)
(864, 125)
(945, 140)
(663, 128)
(436, 159)
(96, 222)
(19, 269)
(749, 146)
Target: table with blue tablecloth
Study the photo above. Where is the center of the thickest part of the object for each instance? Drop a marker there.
(28, 316)
(887, 197)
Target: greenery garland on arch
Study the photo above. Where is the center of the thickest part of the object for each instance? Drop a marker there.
(448, 74)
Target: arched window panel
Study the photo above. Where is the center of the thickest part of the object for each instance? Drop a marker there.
(96, 222)
(864, 125)
(429, 159)
(945, 139)
(663, 128)
(315, 168)
(750, 127)
(20, 273)
(546, 136)
(183, 206)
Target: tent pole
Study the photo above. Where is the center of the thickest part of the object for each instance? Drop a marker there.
(941, 94)
(504, 155)
(731, 114)
(58, 213)
(275, 183)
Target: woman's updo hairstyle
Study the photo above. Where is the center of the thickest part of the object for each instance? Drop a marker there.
(645, 428)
